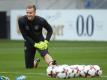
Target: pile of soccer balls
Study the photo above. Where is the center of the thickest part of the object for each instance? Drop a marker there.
(72, 71)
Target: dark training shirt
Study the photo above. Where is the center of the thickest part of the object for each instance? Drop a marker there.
(32, 30)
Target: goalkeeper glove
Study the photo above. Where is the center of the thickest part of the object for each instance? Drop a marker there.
(41, 45)
(45, 44)
(46, 41)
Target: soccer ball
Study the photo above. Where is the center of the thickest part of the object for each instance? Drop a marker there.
(92, 71)
(82, 72)
(50, 71)
(61, 72)
(70, 73)
(98, 70)
(76, 70)
(61, 75)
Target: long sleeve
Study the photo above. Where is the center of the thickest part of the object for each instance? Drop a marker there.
(49, 30)
(24, 33)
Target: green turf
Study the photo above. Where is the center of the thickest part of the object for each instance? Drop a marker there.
(65, 52)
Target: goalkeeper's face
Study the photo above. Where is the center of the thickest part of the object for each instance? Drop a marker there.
(30, 12)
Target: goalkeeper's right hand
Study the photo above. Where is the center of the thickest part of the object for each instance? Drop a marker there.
(41, 45)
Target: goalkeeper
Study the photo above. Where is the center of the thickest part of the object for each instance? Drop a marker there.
(31, 27)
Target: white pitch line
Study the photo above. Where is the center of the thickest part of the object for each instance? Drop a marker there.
(23, 73)
(103, 76)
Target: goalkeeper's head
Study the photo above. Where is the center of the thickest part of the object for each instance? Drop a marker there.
(30, 12)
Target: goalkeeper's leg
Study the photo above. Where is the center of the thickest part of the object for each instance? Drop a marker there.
(36, 62)
(48, 59)
(30, 62)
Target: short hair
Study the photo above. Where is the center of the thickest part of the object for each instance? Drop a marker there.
(31, 6)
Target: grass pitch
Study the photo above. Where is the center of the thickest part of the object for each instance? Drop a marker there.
(65, 52)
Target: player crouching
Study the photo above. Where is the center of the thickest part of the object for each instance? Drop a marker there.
(31, 27)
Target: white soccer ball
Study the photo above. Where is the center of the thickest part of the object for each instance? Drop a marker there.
(70, 73)
(76, 70)
(50, 71)
(54, 71)
(61, 73)
(81, 69)
(98, 70)
(82, 73)
(84, 70)
(92, 72)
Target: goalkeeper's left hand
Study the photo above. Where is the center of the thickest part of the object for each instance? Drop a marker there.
(42, 45)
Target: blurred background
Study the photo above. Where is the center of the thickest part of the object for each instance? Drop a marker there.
(7, 5)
